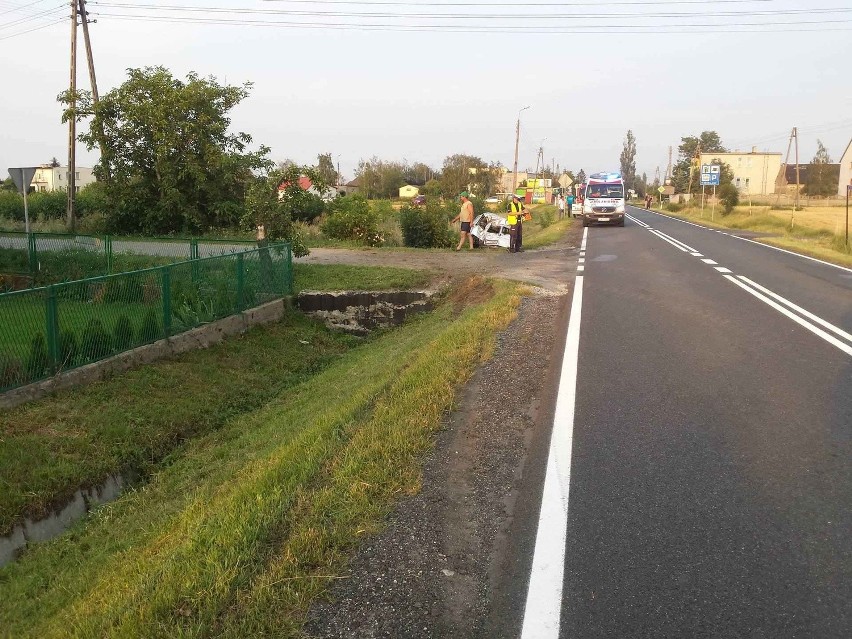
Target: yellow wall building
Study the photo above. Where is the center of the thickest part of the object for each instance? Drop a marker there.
(408, 191)
(755, 173)
(845, 171)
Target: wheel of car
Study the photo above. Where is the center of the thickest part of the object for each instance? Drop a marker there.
(621, 223)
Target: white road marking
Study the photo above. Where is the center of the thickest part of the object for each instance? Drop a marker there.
(696, 255)
(798, 309)
(722, 269)
(544, 598)
(581, 268)
(709, 261)
(666, 239)
(802, 322)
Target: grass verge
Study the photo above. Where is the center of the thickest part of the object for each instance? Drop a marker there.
(337, 277)
(806, 236)
(239, 534)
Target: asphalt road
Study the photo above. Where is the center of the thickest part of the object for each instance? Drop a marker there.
(711, 469)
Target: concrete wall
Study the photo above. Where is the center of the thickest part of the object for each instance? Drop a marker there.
(200, 337)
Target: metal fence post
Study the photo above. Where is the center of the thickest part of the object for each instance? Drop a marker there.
(31, 252)
(194, 255)
(108, 249)
(240, 282)
(289, 264)
(52, 320)
(167, 302)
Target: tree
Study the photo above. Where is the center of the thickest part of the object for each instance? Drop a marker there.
(8, 185)
(821, 178)
(380, 179)
(168, 162)
(326, 169)
(628, 161)
(274, 201)
(686, 168)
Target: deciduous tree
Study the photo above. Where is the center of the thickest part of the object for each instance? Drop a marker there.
(628, 160)
(168, 162)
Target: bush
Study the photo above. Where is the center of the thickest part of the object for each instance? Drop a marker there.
(674, 207)
(68, 348)
(545, 218)
(11, 206)
(47, 206)
(151, 330)
(96, 343)
(351, 218)
(729, 196)
(123, 289)
(38, 361)
(123, 337)
(426, 227)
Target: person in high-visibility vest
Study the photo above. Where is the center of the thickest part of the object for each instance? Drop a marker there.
(515, 217)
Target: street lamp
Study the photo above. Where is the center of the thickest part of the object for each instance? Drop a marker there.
(517, 139)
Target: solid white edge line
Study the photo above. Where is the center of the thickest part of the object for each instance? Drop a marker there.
(745, 239)
(665, 239)
(543, 607)
(815, 318)
(802, 322)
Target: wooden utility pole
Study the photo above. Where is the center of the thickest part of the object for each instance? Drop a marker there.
(517, 140)
(72, 121)
(796, 136)
(84, 15)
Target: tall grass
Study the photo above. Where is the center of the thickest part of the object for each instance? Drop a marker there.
(239, 533)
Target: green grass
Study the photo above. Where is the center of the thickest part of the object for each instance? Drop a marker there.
(340, 277)
(238, 534)
(804, 238)
(50, 448)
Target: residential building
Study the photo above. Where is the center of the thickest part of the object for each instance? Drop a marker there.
(755, 173)
(506, 185)
(845, 178)
(350, 187)
(788, 183)
(408, 191)
(55, 178)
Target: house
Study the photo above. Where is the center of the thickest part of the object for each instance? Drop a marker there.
(845, 178)
(788, 183)
(755, 173)
(506, 185)
(306, 185)
(55, 178)
(408, 191)
(350, 187)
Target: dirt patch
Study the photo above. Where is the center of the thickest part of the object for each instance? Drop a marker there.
(438, 568)
(472, 291)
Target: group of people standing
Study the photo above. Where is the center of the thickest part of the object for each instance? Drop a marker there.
(564, 202)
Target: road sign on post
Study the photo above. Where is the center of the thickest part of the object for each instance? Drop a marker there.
(22, 177)
(710, 174)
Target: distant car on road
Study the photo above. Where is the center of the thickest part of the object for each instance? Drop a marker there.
(493, 199)
(418, 200)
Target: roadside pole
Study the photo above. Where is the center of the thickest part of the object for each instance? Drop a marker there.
(848, 191)
(27, 210)
(713, 212)
(702, 200)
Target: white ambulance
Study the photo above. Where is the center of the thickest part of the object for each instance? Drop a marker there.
(603, 199)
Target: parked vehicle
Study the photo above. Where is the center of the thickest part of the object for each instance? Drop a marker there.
(603, 199)
(418, 200)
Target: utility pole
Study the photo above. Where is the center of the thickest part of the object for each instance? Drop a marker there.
(668, 178)
(796, 136)
(517, 140)
(84, 19)
(72, 121)
(784, 166)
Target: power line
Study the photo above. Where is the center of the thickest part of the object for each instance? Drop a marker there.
(22, 7)
(36, 16)
(44, 26)
(471, 16)
(616, 29)
(515, 4)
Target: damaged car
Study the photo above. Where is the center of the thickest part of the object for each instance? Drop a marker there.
(490, 229)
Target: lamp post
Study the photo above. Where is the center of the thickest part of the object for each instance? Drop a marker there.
(517, 139)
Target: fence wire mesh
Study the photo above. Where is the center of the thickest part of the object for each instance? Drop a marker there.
(62, 326)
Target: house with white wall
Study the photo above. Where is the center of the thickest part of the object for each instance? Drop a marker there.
(755, 173)
(55, 178)
(845, 171)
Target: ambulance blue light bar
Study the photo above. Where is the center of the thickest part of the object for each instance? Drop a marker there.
(605, 177)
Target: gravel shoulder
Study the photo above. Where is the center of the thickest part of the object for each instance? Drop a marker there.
(453, 559)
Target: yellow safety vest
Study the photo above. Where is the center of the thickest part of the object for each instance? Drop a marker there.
(514, 208)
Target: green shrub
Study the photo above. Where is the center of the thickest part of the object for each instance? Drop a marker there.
(96, 342)
(151, 329)
(544, 218)
(11, 206)
(38, 360)
(674, 207)
(729, 196)
(52, 205)
(68, 348)
(123, 337)
(351, 218)
(384, 209)
(426, 227)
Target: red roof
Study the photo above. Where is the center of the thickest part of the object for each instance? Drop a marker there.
(304, 182)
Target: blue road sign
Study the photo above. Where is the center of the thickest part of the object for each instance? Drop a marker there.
(710, 174)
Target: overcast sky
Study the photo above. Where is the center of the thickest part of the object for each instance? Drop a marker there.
(452, 79)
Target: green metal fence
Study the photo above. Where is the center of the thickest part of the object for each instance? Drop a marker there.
(62, 326)
(57, 257)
